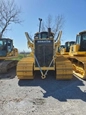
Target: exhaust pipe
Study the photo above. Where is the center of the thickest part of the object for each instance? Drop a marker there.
(49, 32)
(39, 26)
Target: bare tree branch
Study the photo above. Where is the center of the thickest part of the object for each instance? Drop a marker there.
(43, 27)
(55, 24)
(58, 24)
(49, 21)
(9, 13)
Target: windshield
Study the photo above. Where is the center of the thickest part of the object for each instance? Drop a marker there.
(84, 36)
(6, 45)
(3, 48)
(78, 39)
(2, 44)
(42, 35)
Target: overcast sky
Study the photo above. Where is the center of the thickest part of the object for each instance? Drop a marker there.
(72, 10)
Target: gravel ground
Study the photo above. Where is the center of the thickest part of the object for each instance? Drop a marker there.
(42, 97)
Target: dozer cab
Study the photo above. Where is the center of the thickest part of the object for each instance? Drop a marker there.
(78, 55)
(7, 51)
(65, 50)
(44, 57)
(59, 48)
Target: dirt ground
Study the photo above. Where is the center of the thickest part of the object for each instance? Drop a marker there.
(41, 97)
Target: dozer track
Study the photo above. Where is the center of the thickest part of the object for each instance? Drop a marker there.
(25, 68)
(79, 66)
(6, 65)
(64, 68)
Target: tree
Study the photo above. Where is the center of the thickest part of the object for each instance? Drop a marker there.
(9, 13)
(43, 26)
(55, 24)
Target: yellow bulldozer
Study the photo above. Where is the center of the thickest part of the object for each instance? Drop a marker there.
(7, 51)
(44, 57)
(78, 55)
(65, 50)
(60, 48)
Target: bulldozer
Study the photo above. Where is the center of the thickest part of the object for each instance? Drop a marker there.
(7, 52)
(44, 57)
(77, 55)
(65, 50)
(60, 48)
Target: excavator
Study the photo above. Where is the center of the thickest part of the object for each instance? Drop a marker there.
(7, 52)
(44, 57)
(77, 55)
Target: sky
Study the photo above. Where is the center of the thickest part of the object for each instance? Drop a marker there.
(73, 12)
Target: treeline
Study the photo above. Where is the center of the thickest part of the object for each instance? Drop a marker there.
(23, 52)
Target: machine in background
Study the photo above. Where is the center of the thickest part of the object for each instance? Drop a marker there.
(7, 52)
(78, 55)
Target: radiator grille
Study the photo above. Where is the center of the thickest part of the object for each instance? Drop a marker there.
(43, 52)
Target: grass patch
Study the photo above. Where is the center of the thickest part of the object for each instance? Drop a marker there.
(20, 56)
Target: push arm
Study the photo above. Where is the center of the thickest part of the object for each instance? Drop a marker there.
(29, 41)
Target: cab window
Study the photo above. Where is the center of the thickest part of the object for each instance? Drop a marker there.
(10, 46)
(78, 39)
(84, 37)
(3, 45)
(44, 35)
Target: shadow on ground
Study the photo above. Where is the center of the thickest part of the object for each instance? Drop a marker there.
(9, 75)
(58, 89)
